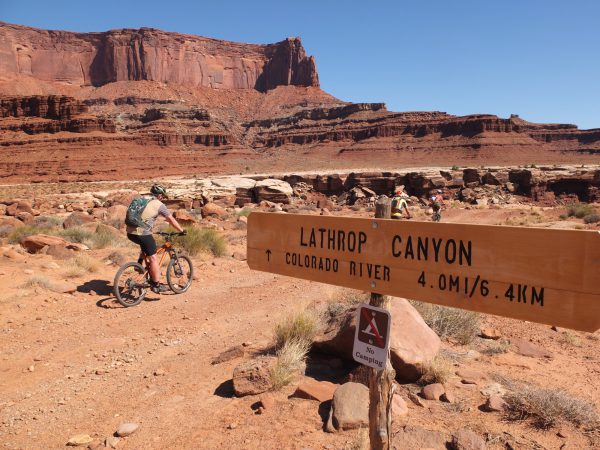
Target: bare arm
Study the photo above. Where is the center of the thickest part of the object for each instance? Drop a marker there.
(174, 222)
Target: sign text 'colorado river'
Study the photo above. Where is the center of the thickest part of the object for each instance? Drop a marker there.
(540, 275)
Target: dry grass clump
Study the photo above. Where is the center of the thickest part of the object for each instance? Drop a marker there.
(76, 234)
(360, 442)
(546, 407)
(437, 371)
(38, 281)
(202, 240)
(344, 300)
(497, 348)
(117, 258)
(290, 361)
(15, 236)
(301, 327)
(104, 237)
(580, 210)
(458, 324)
(80, 265)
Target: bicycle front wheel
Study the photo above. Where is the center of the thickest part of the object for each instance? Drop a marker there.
(179, 274)
(130, 285)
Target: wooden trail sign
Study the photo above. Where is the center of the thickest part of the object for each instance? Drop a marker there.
(540, 275)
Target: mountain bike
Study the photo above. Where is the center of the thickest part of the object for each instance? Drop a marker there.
(132, 280)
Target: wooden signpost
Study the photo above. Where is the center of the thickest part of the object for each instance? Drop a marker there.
(534, 274)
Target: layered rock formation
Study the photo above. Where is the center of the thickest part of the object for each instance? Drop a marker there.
(143, 103)
(147, 54)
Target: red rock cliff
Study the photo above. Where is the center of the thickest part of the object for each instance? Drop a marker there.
(148, 54)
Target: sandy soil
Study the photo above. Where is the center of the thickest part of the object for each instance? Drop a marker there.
(81, 363)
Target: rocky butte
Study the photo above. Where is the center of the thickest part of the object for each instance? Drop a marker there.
(125, 104)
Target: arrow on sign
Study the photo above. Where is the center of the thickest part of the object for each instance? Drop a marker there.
(268, 252)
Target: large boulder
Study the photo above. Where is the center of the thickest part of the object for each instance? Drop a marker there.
(253, 377)
(36, 242)
(184, 218)
(115, 215)
(77, 219)
(19, 207)
(412, 343)
(349, 407)
(276, 191)
(213, 210)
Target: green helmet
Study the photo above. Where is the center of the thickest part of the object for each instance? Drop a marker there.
(157, 189)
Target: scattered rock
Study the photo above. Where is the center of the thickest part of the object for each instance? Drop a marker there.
(64, 287)
(399, 406)
(80, 439)
(213, 210)
(416, 399)
(228, 355)
(267, 401)
(495, 403)
(316, 390)
(185, 218)
(253, 377)
(51, 265)
(349, 408)
(433, 391)
(77, 219)
(111, 442)
(467, 440)
(526, 348)
(448, 397)
(468, 376)
(36, 242)
(493, 389)
(14, 255)
(126, 429)
(276, 191)
(490, 333)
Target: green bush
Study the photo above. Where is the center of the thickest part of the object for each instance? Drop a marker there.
(76, 234)
(48, 221)
(15, 236)
(104, 237)
(244, 212)
(202, 240)
(580, 210)
(592, 218)
(455, 167)
(459, 324)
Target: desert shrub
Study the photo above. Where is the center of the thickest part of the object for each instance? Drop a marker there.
(28, 230)
(38, 281)
(244, 212)
(591, 218)
(497, 348)
(290, 361)
(302, 327)
(48, 221)
(103, 237)
(455, 167)
(547, 406)
(117, 258)
(5, 230)
(76, 234)
(202, 240)
(563, 217)
(461, 325)
(80, 265)
(437, 371)
(580, 210)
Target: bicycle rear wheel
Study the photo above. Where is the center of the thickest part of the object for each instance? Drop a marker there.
(179, 274)
(130, 285)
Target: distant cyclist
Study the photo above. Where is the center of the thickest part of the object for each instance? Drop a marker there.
(437, 201)
(400, 203)
(141, 215)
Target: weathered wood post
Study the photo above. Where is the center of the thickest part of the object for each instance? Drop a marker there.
(381, 387)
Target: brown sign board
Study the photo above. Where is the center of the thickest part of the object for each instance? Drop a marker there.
(534, 274)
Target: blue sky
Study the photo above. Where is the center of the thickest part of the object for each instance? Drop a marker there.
(538, 59)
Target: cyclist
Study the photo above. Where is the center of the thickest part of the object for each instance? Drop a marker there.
(143, 235)
(399, 203)
(436, 202)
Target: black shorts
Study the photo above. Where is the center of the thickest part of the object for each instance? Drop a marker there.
(146, 243)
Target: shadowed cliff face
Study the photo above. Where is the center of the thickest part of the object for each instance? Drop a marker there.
(152, 55)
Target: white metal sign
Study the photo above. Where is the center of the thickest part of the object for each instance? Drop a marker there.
(372, 336)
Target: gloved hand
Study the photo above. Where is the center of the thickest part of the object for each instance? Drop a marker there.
(183, 233)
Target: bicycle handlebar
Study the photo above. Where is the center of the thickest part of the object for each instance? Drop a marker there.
(170, 235)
